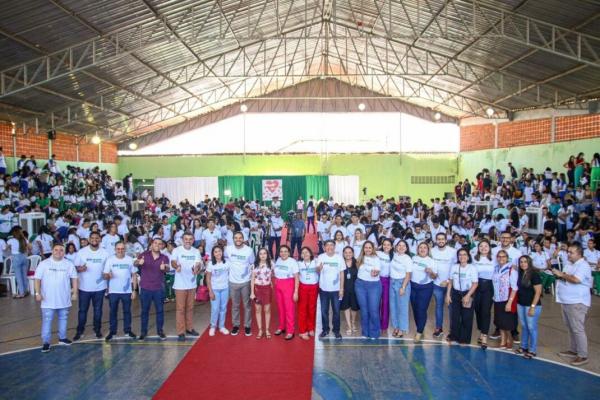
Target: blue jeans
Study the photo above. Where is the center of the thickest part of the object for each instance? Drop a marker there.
(529, 326)
(399, 305)
(147, 297)
(296, 243)
(326, 299)
(277, 241)
(20, 267)
(96, 298)
(420, 297)
(440, 295)
(48, 316)
(218, 308)
(113, 300)
(368, 294)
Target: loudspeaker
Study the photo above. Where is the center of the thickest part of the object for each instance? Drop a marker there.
(593, 107)
(51, 134)
(510, 115)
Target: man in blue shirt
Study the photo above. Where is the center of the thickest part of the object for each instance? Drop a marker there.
(297, 233)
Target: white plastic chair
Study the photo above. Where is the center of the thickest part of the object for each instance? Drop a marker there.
(9, 275)
(33, 263)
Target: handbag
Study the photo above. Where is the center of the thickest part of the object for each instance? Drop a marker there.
(202, 294)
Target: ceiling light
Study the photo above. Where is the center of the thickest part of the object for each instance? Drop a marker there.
(437, 116)
(362, 106)
(133, 146)
(489, 111)
(96, 139)
(243, 108)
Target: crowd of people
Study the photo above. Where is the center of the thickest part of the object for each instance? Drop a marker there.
(375, 261)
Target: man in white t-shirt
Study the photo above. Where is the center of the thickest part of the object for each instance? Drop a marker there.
(186, 261)
(122, 283)
(444, 257)
(323, 231)
(55, 286)
(210, 236)
(337, 226)
(354, 225)
(110, 239)
(5, 221)
(239, 257)
(276, 226)
(331, 267)
(573, 293)
(92, 284)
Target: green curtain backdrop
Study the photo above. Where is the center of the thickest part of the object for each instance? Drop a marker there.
(233, 183)
(293, 187)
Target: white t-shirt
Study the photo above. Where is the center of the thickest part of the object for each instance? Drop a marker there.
(285, 269)
(322, 228)
(575, 293)
(185, 278)
(14, 246)
(219, 275)
(239, 261)
(384, 261)
(108, 243)
(91, 280)
(329, 281)
(2, 249)
(401, 264)
(121, 270)
(484, 267)
(308, 272)
(351, 228)
(55, 277)
(418, 273)
(45, 241)
(444, 259)
(6, 222)
(370, 263)
(540, 260)
(591, 257)
(333, 229)
(513, 254)
(463, 278)
(210, 239)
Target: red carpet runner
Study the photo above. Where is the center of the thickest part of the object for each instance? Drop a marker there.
(240, 367)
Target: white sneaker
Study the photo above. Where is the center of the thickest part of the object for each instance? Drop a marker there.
(211, 332)
(224, 331)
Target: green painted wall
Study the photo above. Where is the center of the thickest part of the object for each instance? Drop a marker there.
(385, 174)
(537, 157)
(113, 169)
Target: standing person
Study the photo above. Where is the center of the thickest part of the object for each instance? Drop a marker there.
(322, 231)
(92, 284)
(122, 276)
(153, 265)
(573, 293)
(275, 227)
(386, 254)
(240, 258)
(297, 235)
(55, 287)
(210, 236)
(444, 257)
(462, 284)
(186, 262)
(400, 272)
(217, 281)
(579, 169)
(2, 162)
(110, 239)
(504, 280)
(19, 248)
(484, 294)
(262, 291)
(286, 291)
(529, 306)
(331, 267)
(310, 217)
(368, 290)
(421, 281)
(308, 291)
(349, 303)
(570, 166)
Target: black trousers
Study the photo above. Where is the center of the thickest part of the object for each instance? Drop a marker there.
(461, 318)
(483, 301)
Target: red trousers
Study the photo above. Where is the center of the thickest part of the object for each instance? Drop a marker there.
(307, 307)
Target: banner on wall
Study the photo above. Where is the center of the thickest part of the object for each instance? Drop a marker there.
(272, 188)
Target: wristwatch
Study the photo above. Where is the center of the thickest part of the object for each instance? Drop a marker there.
(37, 294)
(532, 306)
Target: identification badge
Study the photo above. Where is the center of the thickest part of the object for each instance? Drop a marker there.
(348, 275)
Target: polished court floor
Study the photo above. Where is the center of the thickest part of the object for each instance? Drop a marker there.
(350, 368)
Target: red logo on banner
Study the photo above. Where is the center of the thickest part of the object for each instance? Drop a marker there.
(272, 186)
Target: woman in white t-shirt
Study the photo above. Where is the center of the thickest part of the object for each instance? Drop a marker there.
(308, 291)
(339, 243)
(286, 291)
(459, 296)
(424, 272)
(19, 249)
(385, 258)
(358, 240)
(400, 271)
(541, 263)
(261, 290)
(310, 217)
(217, 280)
(368, 290)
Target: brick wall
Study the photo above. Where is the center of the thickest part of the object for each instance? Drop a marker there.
(477, 137)
(578, 127)
(529, 132)
(65, 146)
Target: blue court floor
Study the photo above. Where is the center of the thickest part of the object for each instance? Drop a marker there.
(399, 369)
